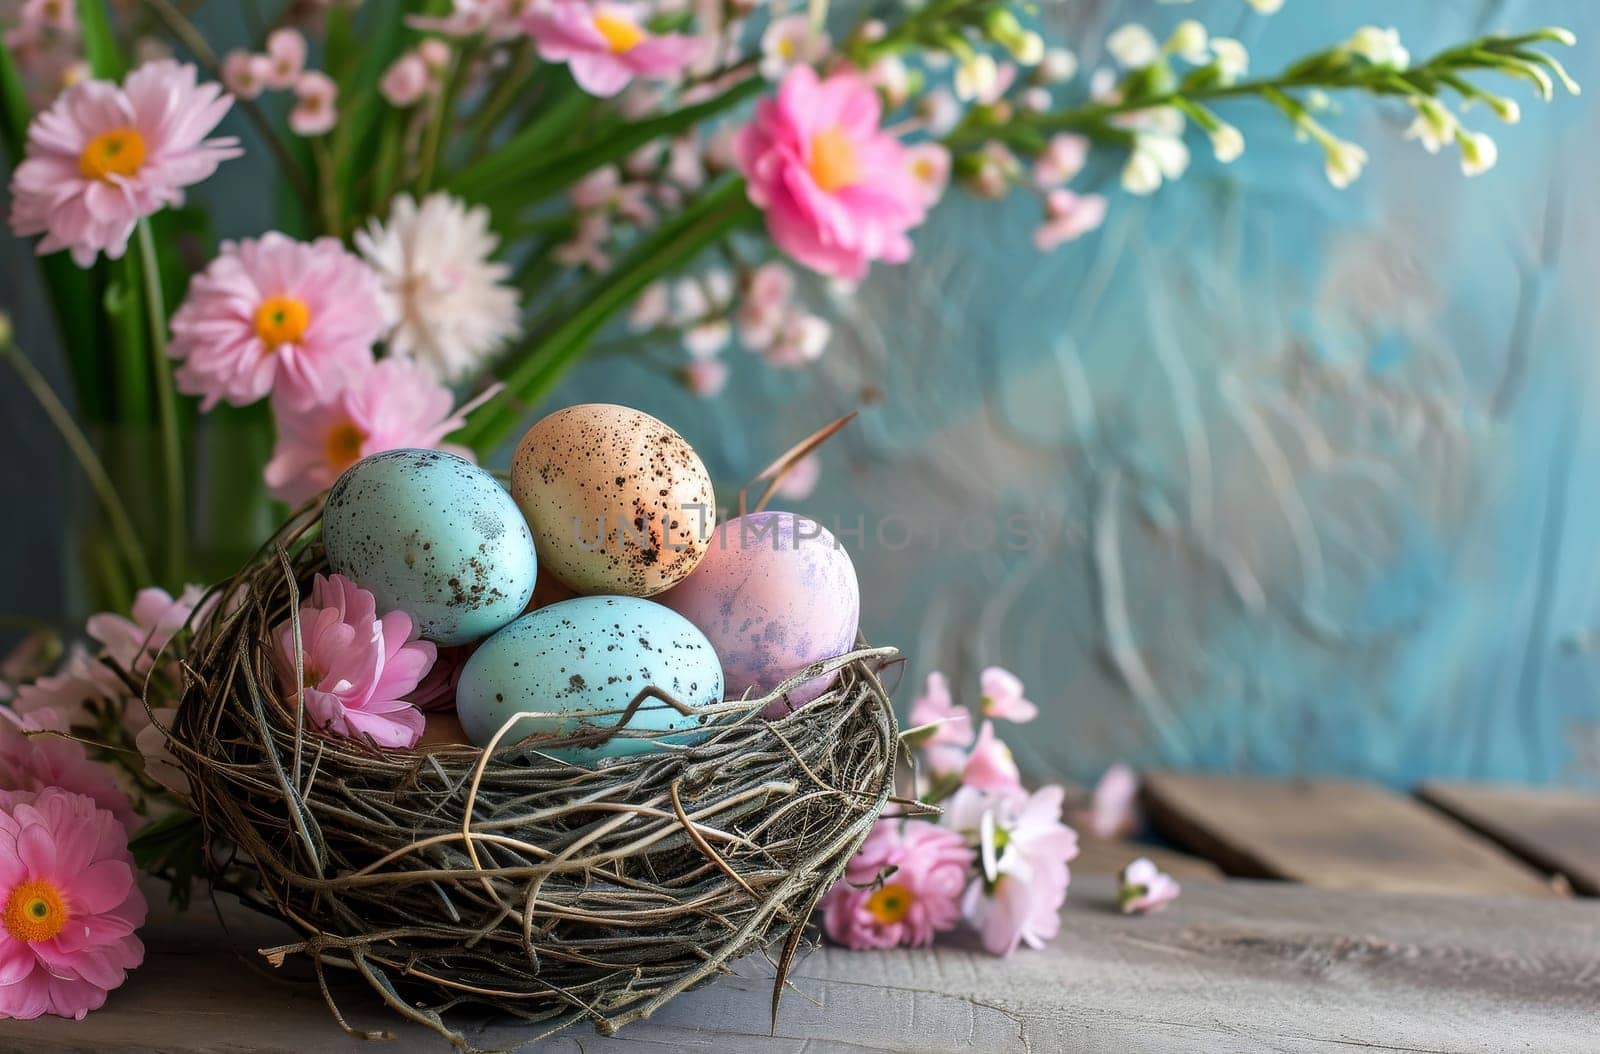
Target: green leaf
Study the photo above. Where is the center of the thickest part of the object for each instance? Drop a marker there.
(356, 140)
(15, 113)
(519, 164)
(172, 848)
(99, 42)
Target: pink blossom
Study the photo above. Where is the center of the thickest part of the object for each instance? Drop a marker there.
(102, 157)
(801, 338)
(273, 312)
(406, 80)
(930, 167)
(436, 54)
(604, 189)
(1062, 159)
(587, 247)
(246, 74)
(34, 762)
(38, 17)
(801, 479)
(437, 690)
(765, 304)
(357, 668)
(940, 111)
(496, 18)
(1113, 810)
(70, 905)
(1068, 217)
(286, 57)
(791, 41)
(705, 377)
(653, 307)
(1143, 887)
(920, 898)
(1002, 696)
(396, 403)
(990, 766)
(1023, 850)
(837, 191)
(605, 45)
(160, 763)
(157, 616)
(316, 107)
(944, 749)
(79, 692)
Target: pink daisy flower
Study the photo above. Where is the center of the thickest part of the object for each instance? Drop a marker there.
(357, 668)
(1023, 850)
(605, 45)
(990, 766)
(922, 896)
(396, 403)
(34, 762)
(944, 749)
(1002, 696)
(69, 905)
(101, 157)
(837, 190)
(274, 313)
(1143, 887)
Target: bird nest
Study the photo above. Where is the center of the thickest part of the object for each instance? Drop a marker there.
(448, 876)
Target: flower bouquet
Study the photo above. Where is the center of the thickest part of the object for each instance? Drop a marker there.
(466, 198)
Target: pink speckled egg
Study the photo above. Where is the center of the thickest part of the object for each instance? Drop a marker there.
(774, 593)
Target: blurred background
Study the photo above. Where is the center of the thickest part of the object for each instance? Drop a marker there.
(1262, 476)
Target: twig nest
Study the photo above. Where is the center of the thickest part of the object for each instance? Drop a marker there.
(548, 890)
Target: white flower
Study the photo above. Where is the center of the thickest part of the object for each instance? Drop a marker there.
(1266, 7)
(888, 73)
(1344, 161)
(1381, 47)
(435, 264)
(1227, 143)
(1505, 109)
(1028, 48)
(1434, 125)
(1155, 158)
(1233, 61)
(1133, 46)
(1190, 43)
(1058, 65)
(976, 77)
(940, 112)
(1478, 152)
(790, 41)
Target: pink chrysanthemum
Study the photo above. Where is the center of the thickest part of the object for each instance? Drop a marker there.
(133, 643)
(922, 896)
(356, 668)
(272, 313)
(605, 45)
(945, 748)
(395, 403)
(1024, 849)
(69, 905)
(34, 762)
(837, 190)
(102, 157)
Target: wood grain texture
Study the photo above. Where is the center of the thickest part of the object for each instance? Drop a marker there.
(1556, 831)
(1235, 967)
(1334, 834)
(1103, 856)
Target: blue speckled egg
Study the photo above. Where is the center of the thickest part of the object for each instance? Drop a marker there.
(589, 653)
(435, 536)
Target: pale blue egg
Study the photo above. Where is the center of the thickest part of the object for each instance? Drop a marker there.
(435, 536)
(590, 653)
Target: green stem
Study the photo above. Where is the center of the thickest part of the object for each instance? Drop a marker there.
(166, 407)
(328, 187)
(83, 451)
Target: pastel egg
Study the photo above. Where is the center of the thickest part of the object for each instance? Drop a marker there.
(774, 594)
(588, 654)
(435, 536)
(618, 502)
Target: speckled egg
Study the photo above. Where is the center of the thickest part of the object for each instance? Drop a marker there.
(589, 653)
(774, 594)
(435, 536)
(619, 503)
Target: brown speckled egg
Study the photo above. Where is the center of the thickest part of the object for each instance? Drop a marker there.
(618, 502)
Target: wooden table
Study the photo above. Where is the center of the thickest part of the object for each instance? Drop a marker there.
(1233, 966)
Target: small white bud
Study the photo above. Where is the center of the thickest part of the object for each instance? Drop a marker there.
(1133, 46)
(1435, 126)
(1190, 42)
(1233, 61)
(1381, 47)
(1227, 143)
(1058, 65)
(976, 76)
(1266, 7)
(1345, 161)
(1478, 152)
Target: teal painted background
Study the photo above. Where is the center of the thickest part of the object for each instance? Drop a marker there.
(1305, 475)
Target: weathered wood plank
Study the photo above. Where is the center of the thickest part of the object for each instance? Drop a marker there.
(1556, 831)
(1334, 834)
(1230, 967)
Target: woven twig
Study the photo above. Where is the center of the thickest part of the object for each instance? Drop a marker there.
(550, 891)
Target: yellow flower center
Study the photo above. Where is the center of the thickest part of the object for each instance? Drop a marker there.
(834, 164)
(923, 170)
(119, 152)
(35, 911)
(282, 320)
(787, 49)
(890, 904)
(343, 448)
(621, 35)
